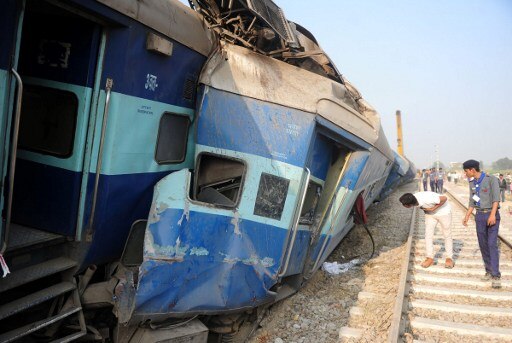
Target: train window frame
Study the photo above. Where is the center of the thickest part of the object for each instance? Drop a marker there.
(70, 146)
(194, 190)
(159, 142)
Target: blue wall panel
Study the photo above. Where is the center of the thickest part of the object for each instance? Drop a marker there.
(202, 264)
(46, 197)
(122, 199)
(233, 122)
(130, 65)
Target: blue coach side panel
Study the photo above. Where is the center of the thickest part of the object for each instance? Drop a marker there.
(146, 85)
(236, 249)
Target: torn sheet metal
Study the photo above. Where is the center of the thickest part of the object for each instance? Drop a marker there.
(202, 262)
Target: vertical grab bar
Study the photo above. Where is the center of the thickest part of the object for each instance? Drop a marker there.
(14, 147)
(295, 224)
(108, 87)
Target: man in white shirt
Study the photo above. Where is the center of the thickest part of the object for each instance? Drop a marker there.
(437, 210)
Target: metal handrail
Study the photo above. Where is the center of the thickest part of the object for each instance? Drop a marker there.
(296, 224)
(108, 87)
(14, 149)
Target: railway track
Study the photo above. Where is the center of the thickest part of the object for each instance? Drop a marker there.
(451, 305)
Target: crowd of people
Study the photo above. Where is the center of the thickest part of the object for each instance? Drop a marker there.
(486, 192)
(435, 178)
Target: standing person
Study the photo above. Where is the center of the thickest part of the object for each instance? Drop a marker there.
(484, 197)
(424, 177)
(503, 187)
(437, 209)
(440, 180)
(433, 179)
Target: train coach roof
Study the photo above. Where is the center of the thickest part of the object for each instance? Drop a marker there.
(241, 71)
(169, 17)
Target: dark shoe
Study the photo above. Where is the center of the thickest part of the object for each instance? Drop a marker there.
(428, 262)
(496, 282)
(449, 263)
(486, 277)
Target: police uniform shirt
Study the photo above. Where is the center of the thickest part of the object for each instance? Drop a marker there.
(425, 176)
(489, 192)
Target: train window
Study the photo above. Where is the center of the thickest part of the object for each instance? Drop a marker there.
(307, 214)
(48, 121)
(271, 196)
(218, 180)
(171, 144)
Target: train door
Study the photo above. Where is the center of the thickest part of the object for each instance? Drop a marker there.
(57, 62)
(325, 167)
(328, 163)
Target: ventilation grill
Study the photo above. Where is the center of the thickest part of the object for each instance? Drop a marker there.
(188, 89)
(273, 16)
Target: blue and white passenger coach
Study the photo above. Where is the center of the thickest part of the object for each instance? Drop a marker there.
(161, 162)
(284, 146)
(96, 105)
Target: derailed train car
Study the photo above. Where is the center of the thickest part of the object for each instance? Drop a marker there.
(226, 140)
(284, 146)
(403, 171)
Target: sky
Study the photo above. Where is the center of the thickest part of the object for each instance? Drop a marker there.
(445, 64)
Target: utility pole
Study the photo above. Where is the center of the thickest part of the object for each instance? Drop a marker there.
(400, 142)
(437, 156)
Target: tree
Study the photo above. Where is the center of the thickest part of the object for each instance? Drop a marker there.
(502, 163)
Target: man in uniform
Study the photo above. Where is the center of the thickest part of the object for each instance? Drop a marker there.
(437, 209)
(484, 196)
(424, 177)
(440, 180)
(433, 179)
(503, 187)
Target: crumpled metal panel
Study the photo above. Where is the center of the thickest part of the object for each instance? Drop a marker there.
(200, 262)
(170, 17)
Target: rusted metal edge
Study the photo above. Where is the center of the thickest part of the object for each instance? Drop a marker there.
(396, 322)
(503, 239)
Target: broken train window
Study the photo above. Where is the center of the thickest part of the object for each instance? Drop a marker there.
(218, 180)
(271, 197)
(307, 214)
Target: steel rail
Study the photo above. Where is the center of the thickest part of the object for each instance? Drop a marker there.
(396, 323)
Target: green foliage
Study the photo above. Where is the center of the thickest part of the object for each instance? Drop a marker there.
(502, 164)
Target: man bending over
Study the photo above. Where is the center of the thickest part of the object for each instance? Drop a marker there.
(437, 210)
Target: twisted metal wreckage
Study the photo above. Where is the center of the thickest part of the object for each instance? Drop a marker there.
(171, 172)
